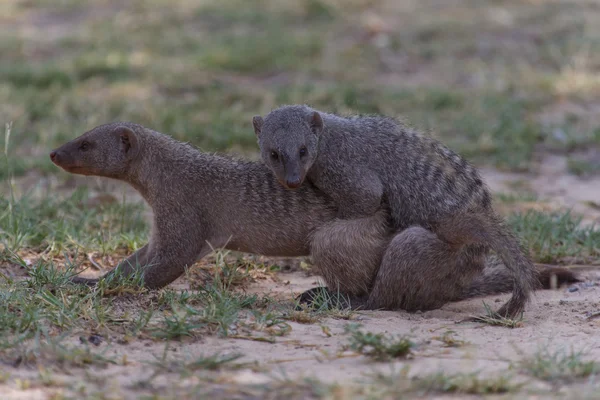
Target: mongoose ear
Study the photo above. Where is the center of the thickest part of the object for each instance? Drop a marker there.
(316, 123)
(257, 122)
(129, 142)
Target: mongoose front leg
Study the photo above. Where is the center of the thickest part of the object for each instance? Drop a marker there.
(356, 190)
(137, 258)
(421, 272)
(164, 258)
(347, 253)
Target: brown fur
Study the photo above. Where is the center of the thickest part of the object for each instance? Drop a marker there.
(202, 201)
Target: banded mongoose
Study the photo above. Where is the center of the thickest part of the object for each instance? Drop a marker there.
(438, 203)
(203, 201)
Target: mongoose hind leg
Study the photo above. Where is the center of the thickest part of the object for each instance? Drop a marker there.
(419, 271)
(347, 254)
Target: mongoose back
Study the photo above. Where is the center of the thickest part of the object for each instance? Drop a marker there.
(436, 199)
(203, 201)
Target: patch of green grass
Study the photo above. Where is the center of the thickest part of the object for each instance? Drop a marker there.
(214, 306)
(201, 71)
(521, 196)
(179, 323)
(322, 303)
(39, 78)
(221, 308)
(559, 365)
(449, 339)
(498, 127)
(465, 383)
(583, 167)
(378, 346)
(54, 224)
(212, 362)
(555, 236)
(384, 385)
(483, 127)
(249, 52)
(51, 350)
(491, 317)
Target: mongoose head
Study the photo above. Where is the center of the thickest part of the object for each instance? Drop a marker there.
(106, 150)
(288, 138)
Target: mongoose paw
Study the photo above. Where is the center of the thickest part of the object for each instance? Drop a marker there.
(83, 281)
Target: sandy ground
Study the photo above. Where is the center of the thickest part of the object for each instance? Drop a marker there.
(556, 319)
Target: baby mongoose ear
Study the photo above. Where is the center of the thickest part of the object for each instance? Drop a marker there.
(316, 123)
(257, 122)
(128, 141)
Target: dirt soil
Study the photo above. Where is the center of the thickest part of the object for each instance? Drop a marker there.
(555, 319)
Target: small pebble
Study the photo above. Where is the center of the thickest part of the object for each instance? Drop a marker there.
(95, 340)
(573, 289)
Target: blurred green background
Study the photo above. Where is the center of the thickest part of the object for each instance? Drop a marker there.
(499, 81)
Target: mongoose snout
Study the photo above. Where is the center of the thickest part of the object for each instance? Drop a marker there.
(63, 160)
(293, 183)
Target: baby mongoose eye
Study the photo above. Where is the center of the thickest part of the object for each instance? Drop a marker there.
(302, 151)
(274, 155)
(84, 146)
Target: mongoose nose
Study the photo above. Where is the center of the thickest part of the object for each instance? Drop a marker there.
(53, 156)
(293, 184)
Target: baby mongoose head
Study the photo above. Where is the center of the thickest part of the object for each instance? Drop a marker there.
(288, 138)
(106, 150)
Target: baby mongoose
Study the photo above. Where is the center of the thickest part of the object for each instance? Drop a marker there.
(203, 201)
(438, 203)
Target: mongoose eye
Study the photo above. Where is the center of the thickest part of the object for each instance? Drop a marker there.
(274, 155)
(302, 151)
(84, 146)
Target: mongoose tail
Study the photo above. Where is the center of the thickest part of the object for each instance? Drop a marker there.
(490, 230)
(496, 279)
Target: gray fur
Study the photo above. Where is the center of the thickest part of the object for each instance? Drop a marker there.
(438, 203)
(202, 201)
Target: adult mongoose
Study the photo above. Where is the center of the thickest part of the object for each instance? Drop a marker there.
(439, 206)
(203, 201)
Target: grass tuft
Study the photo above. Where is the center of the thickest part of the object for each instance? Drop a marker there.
(491, 317)
(466, 383)
(378, 346)
(551, 237)
(559, 365)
